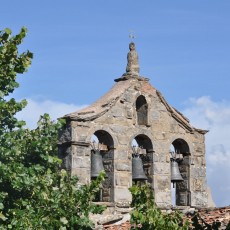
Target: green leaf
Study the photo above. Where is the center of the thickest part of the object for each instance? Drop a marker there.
(2, 217)
(64, 220)
(8, 31)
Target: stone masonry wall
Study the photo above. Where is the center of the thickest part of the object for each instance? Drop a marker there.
(118, 127)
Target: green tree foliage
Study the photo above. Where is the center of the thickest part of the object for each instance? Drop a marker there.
(34, 192)
(146, 215)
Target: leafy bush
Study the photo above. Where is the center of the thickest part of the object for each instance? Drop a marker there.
(34, 192)
(146, 215)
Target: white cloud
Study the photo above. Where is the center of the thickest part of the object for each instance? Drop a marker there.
(205, 113)
(55, 109)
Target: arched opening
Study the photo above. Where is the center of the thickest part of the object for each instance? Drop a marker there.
(103, 141)
(142, 110)
(145, 146)
(181, 192)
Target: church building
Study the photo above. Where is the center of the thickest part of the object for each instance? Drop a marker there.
(168, 150)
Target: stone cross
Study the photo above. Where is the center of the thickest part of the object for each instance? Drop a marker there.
(131, 35)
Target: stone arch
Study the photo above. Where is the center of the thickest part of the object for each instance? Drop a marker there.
(181, 146)
(107, 152)
(182, 191)
(142, 110)
(145, 142)
(105, 138)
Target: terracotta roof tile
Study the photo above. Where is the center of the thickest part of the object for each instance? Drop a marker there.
(208, 215)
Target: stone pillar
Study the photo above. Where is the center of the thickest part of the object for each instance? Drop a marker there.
(123, 175)
(161, 180)
(199, 194)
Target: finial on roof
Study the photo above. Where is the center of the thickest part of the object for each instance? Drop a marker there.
(132, 67)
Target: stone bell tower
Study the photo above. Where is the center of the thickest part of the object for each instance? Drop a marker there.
(134, 110)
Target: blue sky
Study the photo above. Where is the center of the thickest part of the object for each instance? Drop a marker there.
(80, 47)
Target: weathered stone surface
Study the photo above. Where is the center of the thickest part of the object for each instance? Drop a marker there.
(121, 155)
(155, 115)
(122, 194)
(199, 184)
(80, 151)
(80, 162)
(162, 198)
(83, 175)
(123, 181)
(117, 112)
(65, 135)
(161, 168)
(199, 199)
(116, 119)
(119, 129)
(198, 172)
(160, 136)
(162, 157)
(162, 183)
(67, 161)
(109, 219)
(123, 166)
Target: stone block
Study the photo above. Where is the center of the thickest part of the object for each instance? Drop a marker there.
(117, 112)
(128, 97)
(83, 175)
(199, 149)
(123, 181)
(182, 198)
(199, 199)
(155, 116)
(198, 161)
(123, 166)
(129, 112)
(161, 168)
(174, 128)
(122, 194)
(160, 136)
(162, 182)
(67, 162)
(79, 150)
(81, 162)
(65, 135)
(121, 155)
(197, 172)
(119, 130)
(199, 185)
(163, 198)
(122, 140)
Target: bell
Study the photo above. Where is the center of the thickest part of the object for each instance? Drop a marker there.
(175, 172)
(138, 171)
(96, 163)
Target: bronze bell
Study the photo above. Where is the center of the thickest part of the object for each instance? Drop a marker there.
(96, 163)
(137, 169)
(175, 172)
